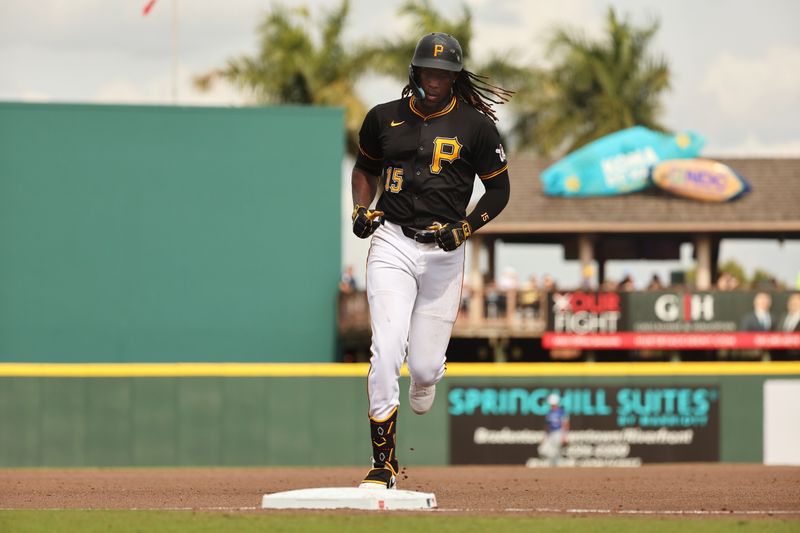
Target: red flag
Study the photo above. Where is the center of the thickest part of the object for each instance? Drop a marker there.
(148, 7)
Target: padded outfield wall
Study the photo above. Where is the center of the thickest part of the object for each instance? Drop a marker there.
(131, 233)
(142, 249)
(316, 414)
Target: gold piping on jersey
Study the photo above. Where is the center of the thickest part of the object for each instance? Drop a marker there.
(495, 173)
(365, 154)
(444, 111)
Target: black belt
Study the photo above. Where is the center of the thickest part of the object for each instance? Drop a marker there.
(421, 236)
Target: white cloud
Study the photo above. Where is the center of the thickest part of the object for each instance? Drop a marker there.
(120, 91)
(158, 90)
(524, 27)
(82, 50)
(52, 12)
(220, 95)
(36, 97)
(750, 86)
(753, 146)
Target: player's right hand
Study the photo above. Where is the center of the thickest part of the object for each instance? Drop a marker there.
(365, 221)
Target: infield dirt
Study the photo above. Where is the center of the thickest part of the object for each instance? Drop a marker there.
(681, 489)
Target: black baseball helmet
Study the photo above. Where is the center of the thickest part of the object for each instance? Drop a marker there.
(438, 50)
(435, 50)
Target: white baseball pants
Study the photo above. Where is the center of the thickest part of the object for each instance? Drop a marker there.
(414, 291)
(550, 448)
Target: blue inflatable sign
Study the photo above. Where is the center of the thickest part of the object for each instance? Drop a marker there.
(618, 163)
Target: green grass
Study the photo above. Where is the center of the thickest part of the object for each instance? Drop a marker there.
(184, 521)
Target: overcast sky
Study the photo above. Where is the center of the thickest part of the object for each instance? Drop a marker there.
(735, 63)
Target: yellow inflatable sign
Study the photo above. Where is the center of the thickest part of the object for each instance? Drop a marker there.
(700, 179)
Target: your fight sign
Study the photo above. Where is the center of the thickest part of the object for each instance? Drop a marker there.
(585, 312)
(610, 426)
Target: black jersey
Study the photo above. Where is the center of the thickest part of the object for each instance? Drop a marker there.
(427, 163)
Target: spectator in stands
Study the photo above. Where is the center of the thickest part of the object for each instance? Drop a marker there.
(768, 284)
(655, 283)
(627, 283)
(760, 319)
(509, 280)
(548, 283)
(726, 282)
(529, 301)
(348, 281)
(587, 277)
(466, 296)
(493, 300)
(609, 285)
(790, 322)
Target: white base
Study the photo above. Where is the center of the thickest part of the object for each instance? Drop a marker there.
(349, 498)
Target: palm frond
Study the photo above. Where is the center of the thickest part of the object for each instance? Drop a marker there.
(594, 87)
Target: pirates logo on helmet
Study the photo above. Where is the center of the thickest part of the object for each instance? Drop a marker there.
(435, 50)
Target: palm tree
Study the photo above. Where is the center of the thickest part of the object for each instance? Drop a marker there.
(294, 66)
(593, 89)
(392, 56)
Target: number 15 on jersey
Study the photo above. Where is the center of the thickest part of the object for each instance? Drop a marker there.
(394, 179)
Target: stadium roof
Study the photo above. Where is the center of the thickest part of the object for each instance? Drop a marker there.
(771, 209)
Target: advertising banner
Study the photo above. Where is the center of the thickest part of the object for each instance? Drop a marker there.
(674, 341)
(673, 320)
(617, 163)
(700, 179)
(609, 426)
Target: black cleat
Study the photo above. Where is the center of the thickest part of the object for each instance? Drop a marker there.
(381, 477)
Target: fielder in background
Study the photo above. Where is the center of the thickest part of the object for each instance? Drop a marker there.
(557, 429)
(424, 151)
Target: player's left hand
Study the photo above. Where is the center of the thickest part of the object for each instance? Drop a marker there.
(451, 237)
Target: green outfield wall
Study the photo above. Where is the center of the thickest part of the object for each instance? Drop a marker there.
(209, 415)
(132, 233)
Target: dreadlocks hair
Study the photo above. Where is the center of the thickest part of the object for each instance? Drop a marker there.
(475, 90)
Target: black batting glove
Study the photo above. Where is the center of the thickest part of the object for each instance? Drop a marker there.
(365, 221)
(451, 237)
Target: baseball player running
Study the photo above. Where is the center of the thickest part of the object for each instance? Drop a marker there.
(556, 427)
(424, 151)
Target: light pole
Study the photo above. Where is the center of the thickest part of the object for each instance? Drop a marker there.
(174, 69)
(175, 52)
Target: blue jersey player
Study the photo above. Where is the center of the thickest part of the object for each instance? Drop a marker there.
(556, 427)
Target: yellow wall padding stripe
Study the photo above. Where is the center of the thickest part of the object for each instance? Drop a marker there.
(183, 369)
(531, 370)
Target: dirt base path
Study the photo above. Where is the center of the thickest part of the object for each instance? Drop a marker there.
(685, 489)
